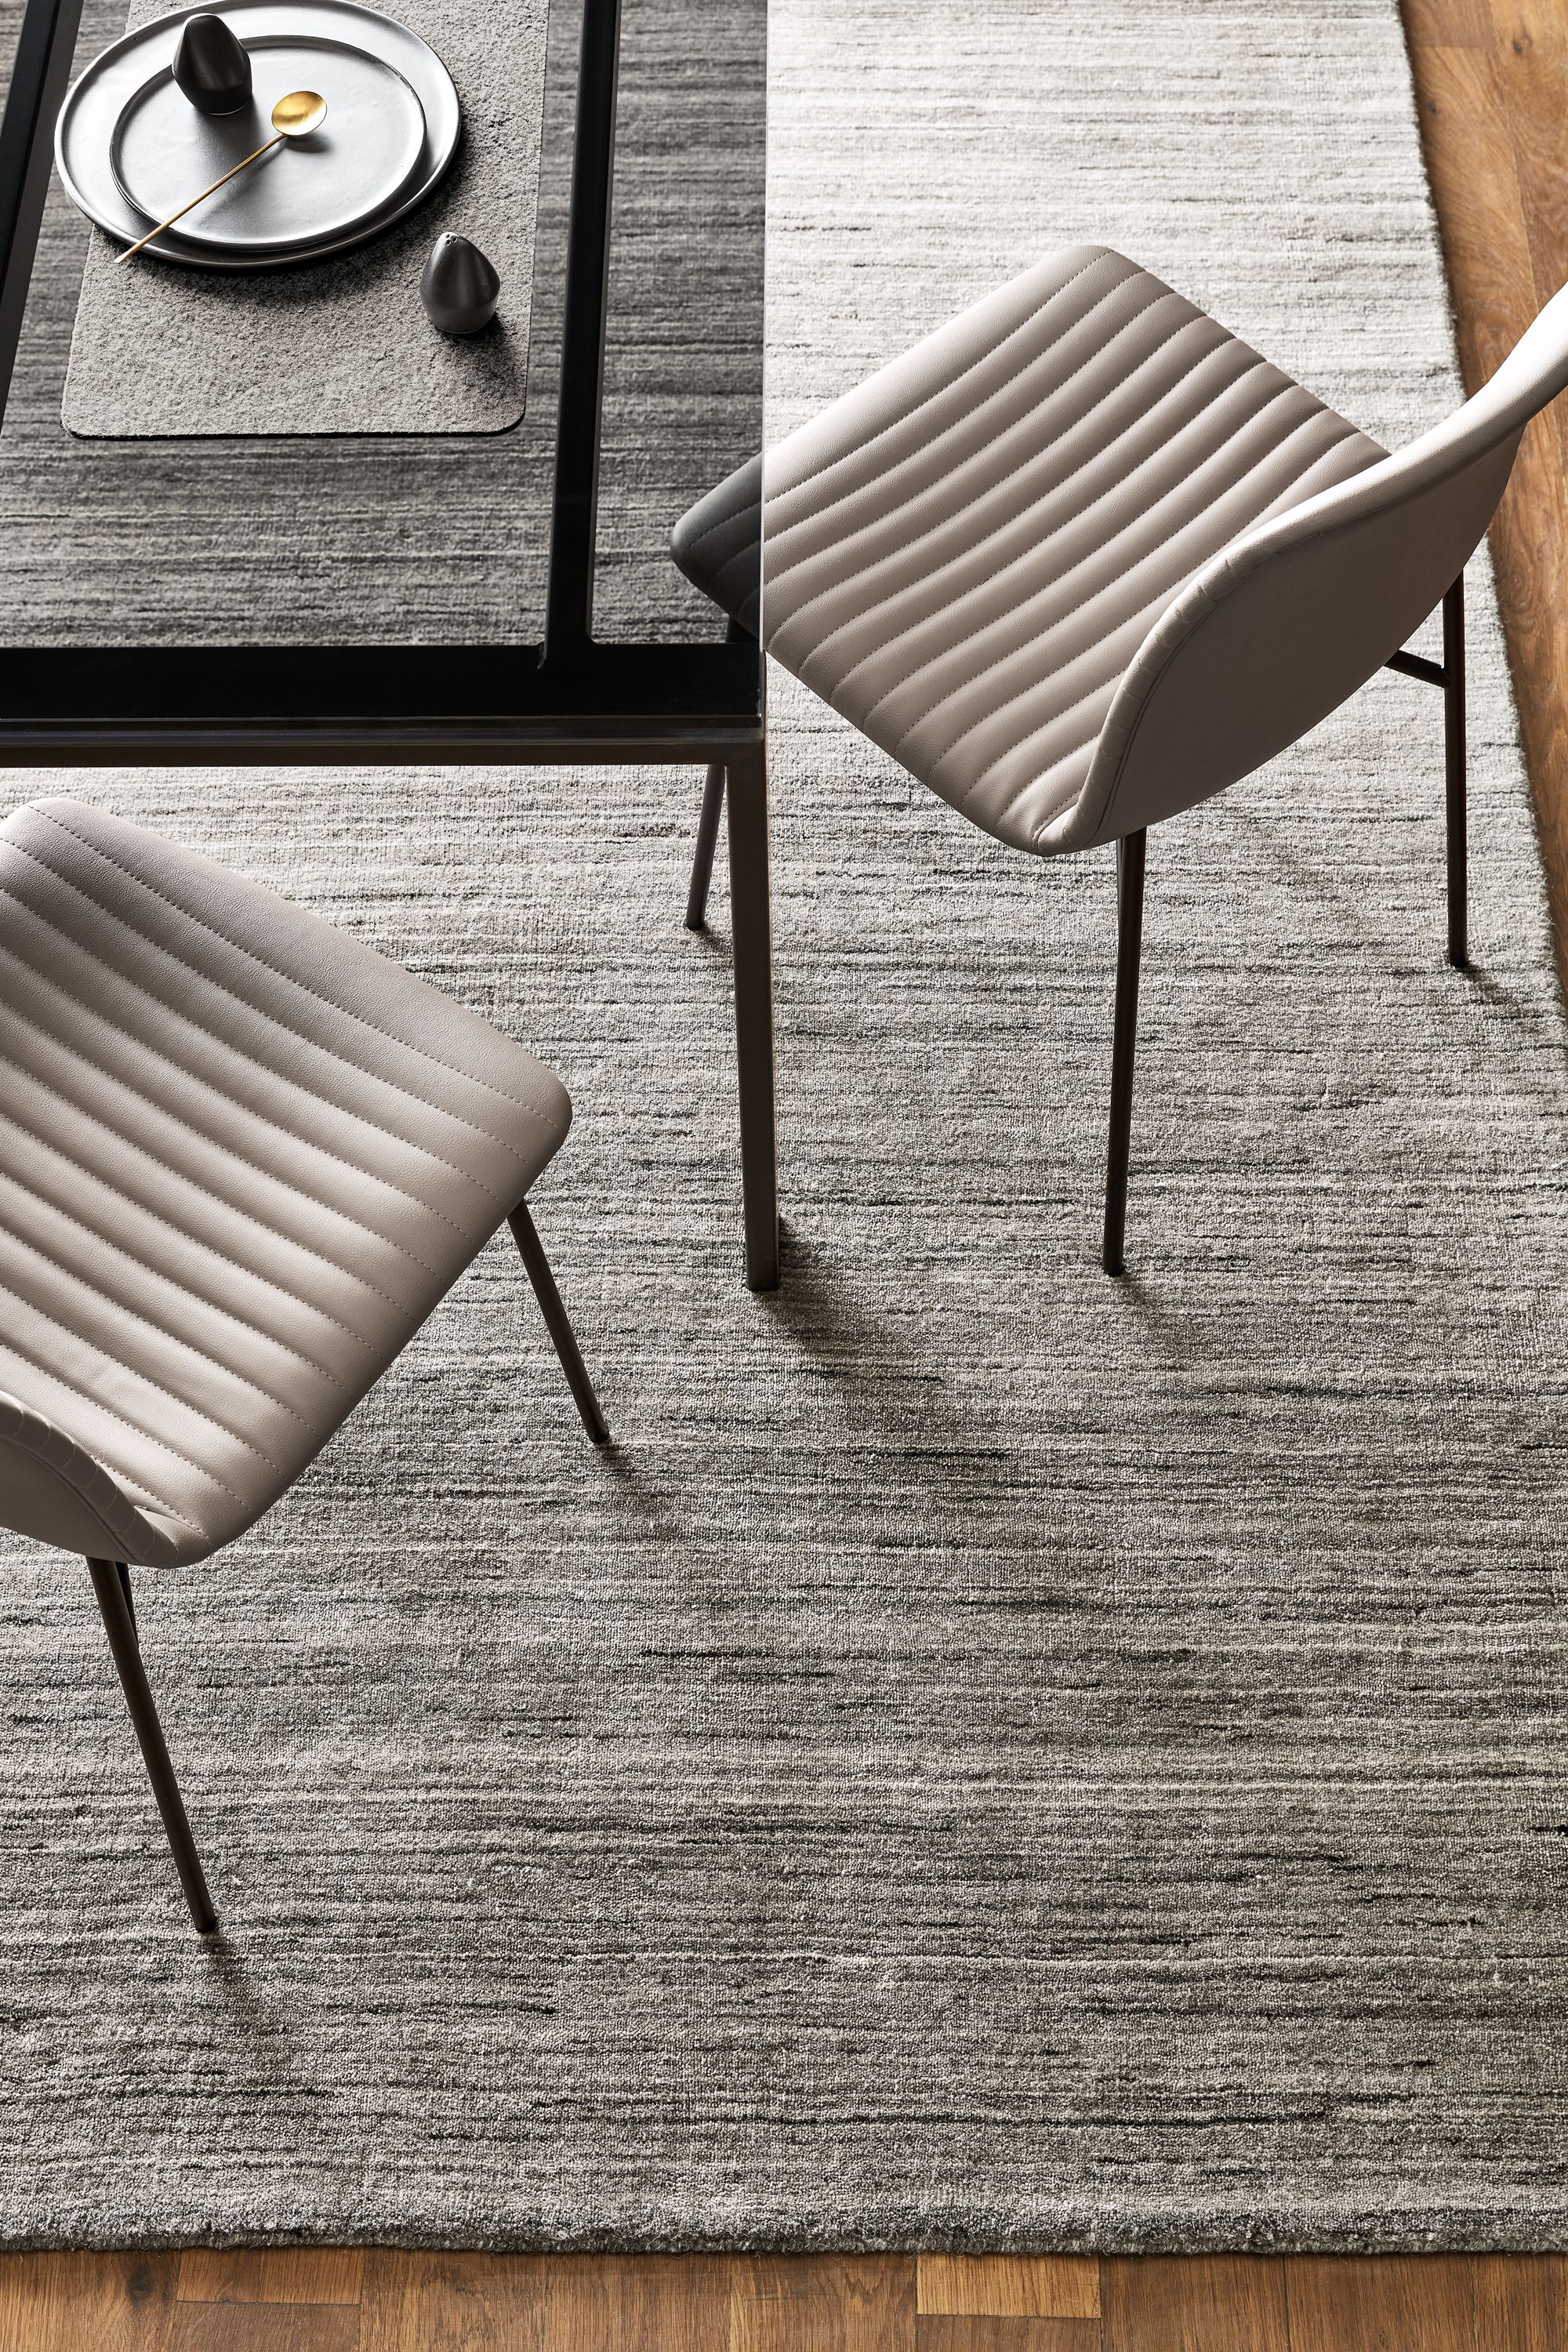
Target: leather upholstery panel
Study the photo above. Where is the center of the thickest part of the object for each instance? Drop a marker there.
(243, 1158)
(964, 554)
(1081, 559)
(56, 1492)
(718, 545)
(1210, 698)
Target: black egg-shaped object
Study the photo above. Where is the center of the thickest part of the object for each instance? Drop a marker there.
(211, 67)
(460, 288)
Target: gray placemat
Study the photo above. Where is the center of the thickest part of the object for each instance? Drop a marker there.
(343, 345)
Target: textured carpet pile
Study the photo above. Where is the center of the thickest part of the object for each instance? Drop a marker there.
(994, 1756)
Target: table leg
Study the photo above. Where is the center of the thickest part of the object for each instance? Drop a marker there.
(746, 798)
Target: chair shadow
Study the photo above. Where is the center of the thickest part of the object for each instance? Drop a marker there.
(873, 1368)
(228, 1972)
(636, 1491)
(1175, 1337)
(1547, 1029)
(1545, 1023)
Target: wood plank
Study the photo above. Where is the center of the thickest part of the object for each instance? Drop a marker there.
(1521, 2302)
(1451, 24)
(271, 2275)
(630, 2302)
(823, 2302)
(1498, 214)
(951, 2333)
(26, 2320)
(1193, 2303)
(413, 2302)
(1047, 2286)
(63, 2302)
(1529, 67)
(1480, 209)
(1529, 543)
(1396, 2303)
(1529, 73)
(263, 2328)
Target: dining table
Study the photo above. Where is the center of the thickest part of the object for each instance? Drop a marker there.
(496, 600)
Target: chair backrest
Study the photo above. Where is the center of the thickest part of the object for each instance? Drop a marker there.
(1291, 618)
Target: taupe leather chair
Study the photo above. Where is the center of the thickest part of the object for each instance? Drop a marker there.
(241, 1158)
(1082, 558)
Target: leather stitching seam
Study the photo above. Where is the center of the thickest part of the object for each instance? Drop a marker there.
(952, 384)
(178, 1013)
(273, 1232)
(119, 1306)
(1103, 591)
(732, 515)
(531, 1111)
(1013, 798)
(974, 546)
(209, 1087)
(193, 1241)
(174, 1395)
(50, 1372)
(779, 575)
(1101, 548)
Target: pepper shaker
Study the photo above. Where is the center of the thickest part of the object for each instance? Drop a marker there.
(211, 67)
(460, 288)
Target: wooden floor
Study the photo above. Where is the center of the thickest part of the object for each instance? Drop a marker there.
(1492, 85)
(380, 2301)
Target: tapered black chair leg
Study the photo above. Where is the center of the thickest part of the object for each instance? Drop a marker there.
(712, 810)
(558, 1322)
(751, 926)
(1130, 858)
(707, 839)
(1454, 762)
(111, 1584)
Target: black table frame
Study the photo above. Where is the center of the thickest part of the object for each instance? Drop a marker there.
(569, 701)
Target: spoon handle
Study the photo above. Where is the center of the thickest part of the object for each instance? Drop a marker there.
(201, 199)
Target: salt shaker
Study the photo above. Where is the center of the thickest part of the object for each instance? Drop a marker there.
(211, 67)
(460, 288)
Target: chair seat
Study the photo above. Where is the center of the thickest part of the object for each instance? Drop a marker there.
(717, 544)
(964, 554)
(241, 1158)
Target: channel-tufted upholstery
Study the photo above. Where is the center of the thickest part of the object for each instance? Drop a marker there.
(964, 553)
(241, 1158)
(1082, 558)
(718, 544)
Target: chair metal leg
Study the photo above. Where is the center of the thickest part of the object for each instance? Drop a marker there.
(708, 822)
(707, 838)
(111, 1584)
(1129, 861)
(1453, 763)
(751, 927)
(558, 1322)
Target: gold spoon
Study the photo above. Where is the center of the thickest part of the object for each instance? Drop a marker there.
(293, 117)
